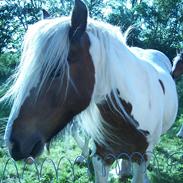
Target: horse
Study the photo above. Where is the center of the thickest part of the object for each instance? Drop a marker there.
(177, 71)
(79, 68)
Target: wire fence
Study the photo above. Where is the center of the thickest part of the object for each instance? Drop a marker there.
(166, 168)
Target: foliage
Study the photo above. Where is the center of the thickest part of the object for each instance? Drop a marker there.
(158, 25)
(8, 62)
(179, 83)
(15, 16)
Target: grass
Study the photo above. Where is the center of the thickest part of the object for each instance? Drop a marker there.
(169, 168)
(58, 152)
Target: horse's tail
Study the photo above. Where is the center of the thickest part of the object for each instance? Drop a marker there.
(177, 69)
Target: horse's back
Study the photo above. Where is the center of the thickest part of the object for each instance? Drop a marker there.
(154, 57)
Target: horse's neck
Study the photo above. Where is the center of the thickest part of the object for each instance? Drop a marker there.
(120, 70)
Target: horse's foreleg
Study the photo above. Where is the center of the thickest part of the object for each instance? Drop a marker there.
(100, 169)
(125, 169)
(86, 149)
(83, 144)
(180, 133)
(139, 173)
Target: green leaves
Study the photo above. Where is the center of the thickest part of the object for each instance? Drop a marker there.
(14, 20)
(8, 61)
(158, 24)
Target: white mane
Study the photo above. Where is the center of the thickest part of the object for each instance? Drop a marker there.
(107, 46)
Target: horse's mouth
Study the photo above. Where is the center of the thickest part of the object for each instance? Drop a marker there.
(36, 151)
(25, 153)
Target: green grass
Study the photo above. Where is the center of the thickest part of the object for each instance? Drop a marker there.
(59, 152)
(169, 169)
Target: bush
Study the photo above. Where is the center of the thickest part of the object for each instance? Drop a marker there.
(8, 62)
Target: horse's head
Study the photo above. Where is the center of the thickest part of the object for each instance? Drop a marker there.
(177, 69)
(61, 90)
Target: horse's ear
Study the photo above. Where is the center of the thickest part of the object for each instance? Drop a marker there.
(45, 14)
(78, 20)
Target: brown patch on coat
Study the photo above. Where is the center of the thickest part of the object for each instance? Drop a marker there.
(125, 136)
(162, 86)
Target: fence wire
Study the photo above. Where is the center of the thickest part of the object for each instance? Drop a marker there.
(171, 163)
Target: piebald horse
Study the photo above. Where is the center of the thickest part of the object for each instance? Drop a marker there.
(76, 67)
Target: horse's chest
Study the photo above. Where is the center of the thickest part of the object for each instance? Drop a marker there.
(121, 136)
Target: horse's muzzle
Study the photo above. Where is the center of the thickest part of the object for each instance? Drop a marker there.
(22, 149)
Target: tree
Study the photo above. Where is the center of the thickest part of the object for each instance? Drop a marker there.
(158, 25)
(15, 16)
